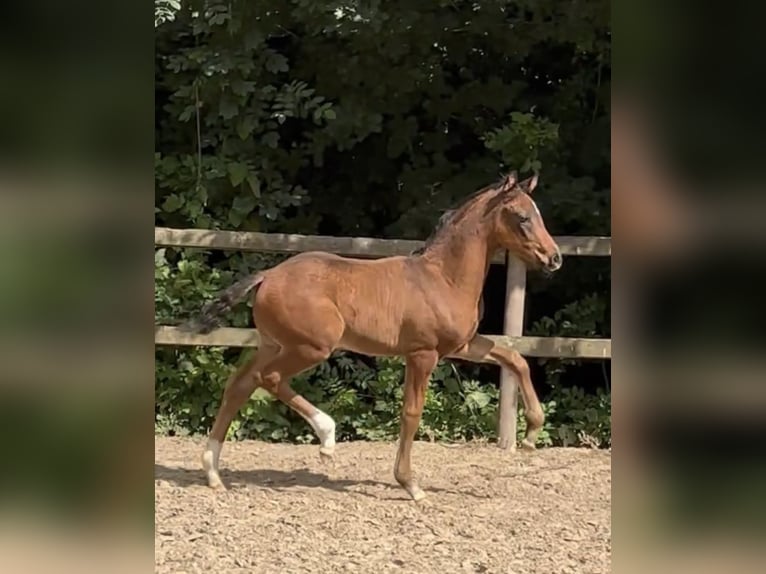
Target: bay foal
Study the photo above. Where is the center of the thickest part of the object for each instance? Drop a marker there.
(423, 307)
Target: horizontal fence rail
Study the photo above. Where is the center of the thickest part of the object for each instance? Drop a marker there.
(560, 347)
(365, 247)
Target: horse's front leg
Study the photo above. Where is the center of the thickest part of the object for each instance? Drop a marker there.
(418, 371)
(480, 349)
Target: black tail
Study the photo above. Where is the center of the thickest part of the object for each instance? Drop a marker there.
(222, 303)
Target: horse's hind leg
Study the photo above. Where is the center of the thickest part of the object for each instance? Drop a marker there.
(271, 369)
(238, 389)
(276, 379)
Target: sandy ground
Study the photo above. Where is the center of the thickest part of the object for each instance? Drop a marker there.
(285, 511)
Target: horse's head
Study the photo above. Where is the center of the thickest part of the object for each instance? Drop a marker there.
(518, 226)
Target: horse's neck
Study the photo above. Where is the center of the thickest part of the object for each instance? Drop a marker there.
(463, 259)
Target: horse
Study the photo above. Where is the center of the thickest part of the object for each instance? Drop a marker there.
(423, 307)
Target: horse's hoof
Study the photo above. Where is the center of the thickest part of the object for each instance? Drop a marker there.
(326, 454)
(528, 445)
(416, 493)
(216, 483)
(419, 496)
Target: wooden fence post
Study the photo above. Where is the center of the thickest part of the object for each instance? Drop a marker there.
(513, 325)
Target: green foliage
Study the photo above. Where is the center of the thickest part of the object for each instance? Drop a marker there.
(524, 141)
(580, 418)
(370, 119)
(365, 402)
(581, 318)
(165, 10)
(574, 418)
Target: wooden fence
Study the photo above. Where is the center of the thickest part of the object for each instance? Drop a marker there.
(556, 347)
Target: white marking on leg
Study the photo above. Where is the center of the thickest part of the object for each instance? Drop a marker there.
(324, 426)
(210, 459)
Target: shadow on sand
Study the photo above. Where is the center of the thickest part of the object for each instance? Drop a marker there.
(279, 480)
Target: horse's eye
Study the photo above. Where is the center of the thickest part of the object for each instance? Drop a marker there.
(523, 219)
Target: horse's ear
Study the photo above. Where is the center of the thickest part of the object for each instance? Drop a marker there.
(510, 181)
(529, 184)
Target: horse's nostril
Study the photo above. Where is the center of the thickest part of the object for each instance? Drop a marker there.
(556, 259)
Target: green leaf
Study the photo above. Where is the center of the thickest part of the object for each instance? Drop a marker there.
(172, 203)
(194, 209)
(201, 193)
(278, 434)
(186, 115)
(244, 203)
(330, 114)
(276, 63)
(261, 395)
(255, 184)
(186, 365)
(271, 139)
(242, 88)
(238, 171)
(478, 399)
(253, 38)
(451, 385)
(235, 218)
(245, 127)
(227, 108)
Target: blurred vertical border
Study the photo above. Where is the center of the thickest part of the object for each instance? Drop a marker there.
(76, 205)
(689, 429)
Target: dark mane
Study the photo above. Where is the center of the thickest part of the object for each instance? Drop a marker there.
(454, 215)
